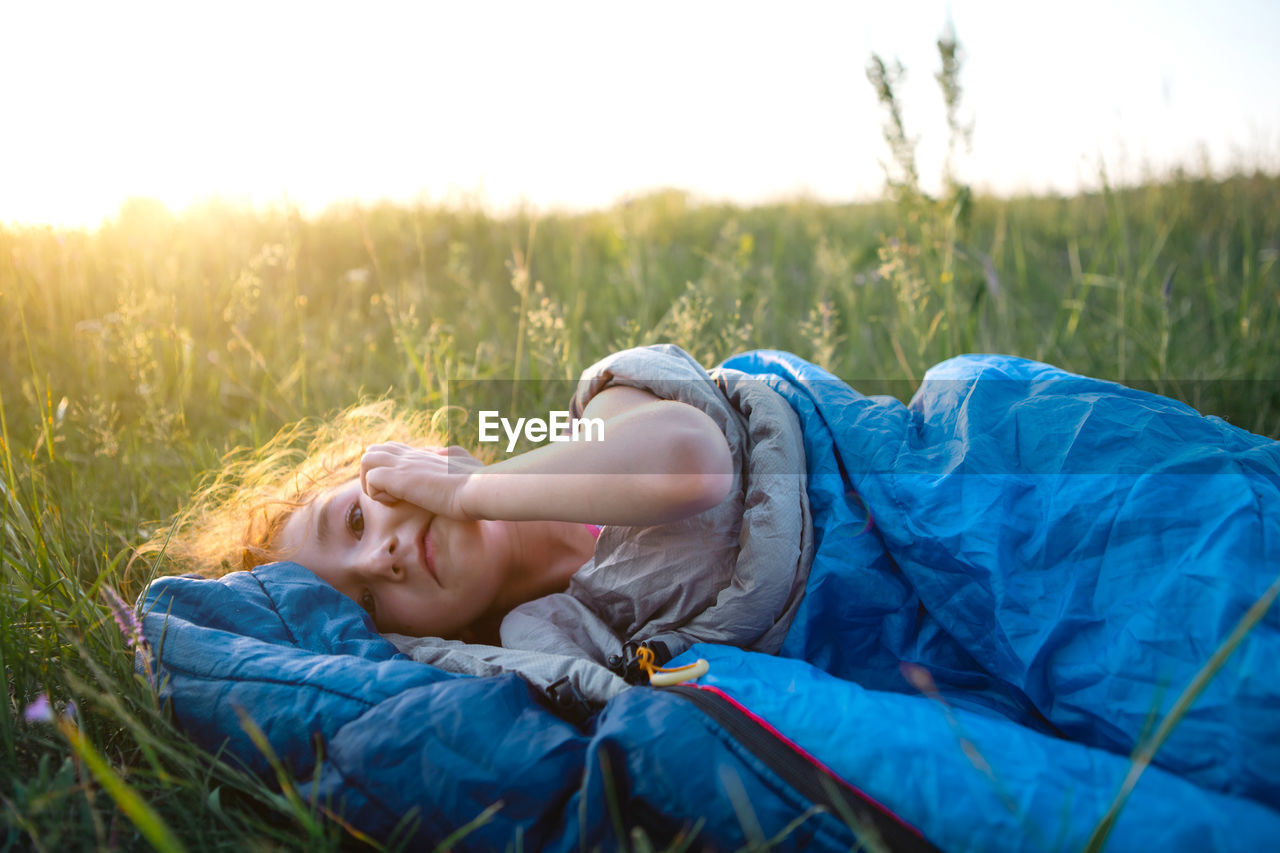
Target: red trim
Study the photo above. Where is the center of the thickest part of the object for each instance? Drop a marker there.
(763, 723)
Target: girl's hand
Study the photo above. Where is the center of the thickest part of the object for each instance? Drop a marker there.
(658, 461)
(431, 478)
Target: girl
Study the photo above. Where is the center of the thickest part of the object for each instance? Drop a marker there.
(433, 542)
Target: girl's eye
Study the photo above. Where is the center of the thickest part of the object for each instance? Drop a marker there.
(355, 520)
(367, 602)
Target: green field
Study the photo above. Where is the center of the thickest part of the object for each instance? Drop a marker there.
(135, 356)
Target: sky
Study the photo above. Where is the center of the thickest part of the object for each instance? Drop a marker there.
(579, 105)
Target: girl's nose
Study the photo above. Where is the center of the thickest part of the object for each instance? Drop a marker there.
(385, 559)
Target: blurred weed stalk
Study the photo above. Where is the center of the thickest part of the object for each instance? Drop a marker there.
(925, 259)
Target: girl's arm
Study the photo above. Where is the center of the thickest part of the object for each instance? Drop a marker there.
(659, 461)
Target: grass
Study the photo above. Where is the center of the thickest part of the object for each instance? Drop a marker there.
(134, 356)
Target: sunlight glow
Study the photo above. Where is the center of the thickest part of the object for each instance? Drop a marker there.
(581, 104)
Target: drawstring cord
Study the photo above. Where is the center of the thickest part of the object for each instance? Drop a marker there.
(661, 676)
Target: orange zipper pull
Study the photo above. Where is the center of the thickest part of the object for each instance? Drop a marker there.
(660, 676)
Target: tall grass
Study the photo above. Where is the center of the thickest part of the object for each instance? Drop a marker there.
(135, 355)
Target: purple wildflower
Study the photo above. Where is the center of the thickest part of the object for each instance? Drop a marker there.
(39, 711)
(126, 619)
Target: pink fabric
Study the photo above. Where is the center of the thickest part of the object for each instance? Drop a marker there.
(595, 530)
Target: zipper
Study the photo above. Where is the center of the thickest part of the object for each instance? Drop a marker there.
(803, 772)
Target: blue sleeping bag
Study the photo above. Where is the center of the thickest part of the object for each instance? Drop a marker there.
(1016, 575)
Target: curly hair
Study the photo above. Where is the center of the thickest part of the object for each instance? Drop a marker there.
(233, 521)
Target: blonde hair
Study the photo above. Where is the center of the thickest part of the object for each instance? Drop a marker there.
(234, 520)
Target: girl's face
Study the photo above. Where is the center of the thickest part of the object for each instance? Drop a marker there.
(414, 572)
